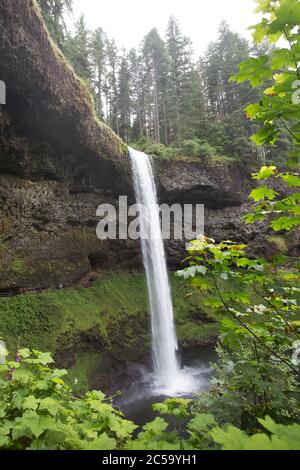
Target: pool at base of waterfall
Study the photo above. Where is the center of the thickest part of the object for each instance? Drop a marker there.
(136, 400)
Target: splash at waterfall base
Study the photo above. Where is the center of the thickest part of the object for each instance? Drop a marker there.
(138, 397)
(168, 378)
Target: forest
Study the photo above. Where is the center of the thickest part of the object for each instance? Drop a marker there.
(221, 129)
(160, 95)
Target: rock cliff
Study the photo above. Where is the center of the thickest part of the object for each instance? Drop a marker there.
(58, 162)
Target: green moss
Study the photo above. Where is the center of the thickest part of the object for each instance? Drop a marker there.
(39, 320)
(225, 159)
(24, 272)
(123, 148)
(85, 365)
(192, 334)
(18, 265)
(79, 325)
(30, 320)
(112, 300)
(279, 242)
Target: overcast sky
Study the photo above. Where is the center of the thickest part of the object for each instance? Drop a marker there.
(127, 21)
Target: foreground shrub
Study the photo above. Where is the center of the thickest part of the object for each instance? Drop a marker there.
(38, 411)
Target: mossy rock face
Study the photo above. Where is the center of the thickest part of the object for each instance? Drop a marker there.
(48, 235)
(269, 246)
(63, 139)
(108, 320)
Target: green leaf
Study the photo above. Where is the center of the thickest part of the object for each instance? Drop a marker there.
(121, 427)
(262, 193)
(253, 110)
(260, 31)
(265, 173)
(285, 223)
(282, 58)
(103, 442)
(255, 70)
(24, 353)
(173, 407)
(23, 375)
(30, 403)
(287, 14)
(192, 271)
(202, 422)
(266, 135)
(45, 359)
(30, 424)
(4, 441)
(230, 439)
(51, 405)
(284, 437)
(291, 180)
(157, 426)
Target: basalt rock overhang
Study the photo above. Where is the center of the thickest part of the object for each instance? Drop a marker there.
(46, 100)
(215, 183)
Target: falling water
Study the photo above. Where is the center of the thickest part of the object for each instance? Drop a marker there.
(164, 342)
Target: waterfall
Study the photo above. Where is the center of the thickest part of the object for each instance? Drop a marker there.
(164, 341)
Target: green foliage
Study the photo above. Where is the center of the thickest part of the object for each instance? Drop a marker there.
(206, 150)
(89, 321)
(53, 12)
(253, 402)
(282, 437)
(262, 193)
(198, 148)
(255, 70)
(159, 91)
(259, 326)
(193, 148)
(278, 110)
(158, 150)
(77, 50)
(39, 412)
(283, 212)
(256, 375)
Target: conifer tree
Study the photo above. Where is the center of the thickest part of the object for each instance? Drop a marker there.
(156, 64)
(98, 59)
(124, 99)
(78, 50)
(180, 60)
(53, 12)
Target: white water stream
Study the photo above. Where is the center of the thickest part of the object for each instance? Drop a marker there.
(168, 376)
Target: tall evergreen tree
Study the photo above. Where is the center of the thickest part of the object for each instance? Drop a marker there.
(98, 59)
(111, 85)
(225, 99)
(180, 59)
(77, 49)
(124, 99)
(159, 92)
(53, 12)
(138, 93)
(156, 65)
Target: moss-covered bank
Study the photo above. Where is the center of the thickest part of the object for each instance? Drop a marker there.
(82, 326)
